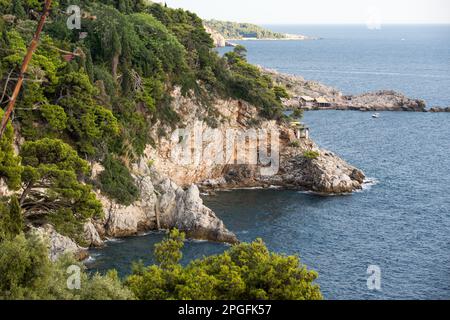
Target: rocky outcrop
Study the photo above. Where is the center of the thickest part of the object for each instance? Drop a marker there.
(439, 109)
(198, 221)
(59, 244)
(92, 236)
(384, 101)
(218, 39)
(162, 205)
(298, 86)
(374, 101)
(327, 174)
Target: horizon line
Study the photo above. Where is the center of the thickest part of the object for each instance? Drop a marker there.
(334, 23)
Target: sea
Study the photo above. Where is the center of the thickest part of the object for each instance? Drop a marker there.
(394, 233)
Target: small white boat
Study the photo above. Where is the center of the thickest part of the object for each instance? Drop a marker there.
(376, 115)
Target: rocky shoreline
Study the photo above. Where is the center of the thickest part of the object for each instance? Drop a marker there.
(439, 109)
(385, 100)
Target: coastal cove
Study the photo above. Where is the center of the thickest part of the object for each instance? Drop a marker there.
(143, 156)
(400, 222)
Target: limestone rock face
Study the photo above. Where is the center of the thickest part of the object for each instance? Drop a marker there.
(327, 174)
(124, 221)
(184, 210)
(162, 204)
(219, 40)
(199, 221)
(91, 235)
(59, 244)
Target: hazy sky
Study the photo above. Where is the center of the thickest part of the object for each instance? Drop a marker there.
(320, 11)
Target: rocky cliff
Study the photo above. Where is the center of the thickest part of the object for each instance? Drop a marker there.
(326, 173)
(218, 39)
(169, 196)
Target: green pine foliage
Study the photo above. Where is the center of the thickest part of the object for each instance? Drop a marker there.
(311, 155)
(27, 273)
(53, 188)
(116, 182)
(11, 218)
(10, 169)
(244, 272)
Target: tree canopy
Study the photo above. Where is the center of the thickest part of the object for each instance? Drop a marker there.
(244, 272)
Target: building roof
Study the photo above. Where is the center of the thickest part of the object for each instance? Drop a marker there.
(307, 98)
(322, 100)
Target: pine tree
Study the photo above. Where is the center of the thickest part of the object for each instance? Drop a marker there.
(18, 9)
(11, 219)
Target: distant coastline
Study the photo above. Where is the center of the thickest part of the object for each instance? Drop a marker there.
(289, 37)
(224, 32)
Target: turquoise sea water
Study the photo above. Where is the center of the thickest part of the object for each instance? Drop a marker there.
(400, 223)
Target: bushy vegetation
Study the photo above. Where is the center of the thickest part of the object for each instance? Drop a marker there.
(235, 30)
(116, 182)
(248, 83)
(26, 272)
(244, 272)
(311, 155)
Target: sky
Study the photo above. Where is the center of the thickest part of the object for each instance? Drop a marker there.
(320, 11)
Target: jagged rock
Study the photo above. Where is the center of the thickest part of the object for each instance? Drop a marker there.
(327, 174)
(387, 101)
(91, 236)
(59, 244)
(124, 221)
(198, 221)
(297, 86)
(162, 202)
(439, 109)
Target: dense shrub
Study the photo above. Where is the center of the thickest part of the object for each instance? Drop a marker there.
(11, 218)
(10, 169)
(27, 273)
(117, 182)
(311, 155)
(244, 272)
